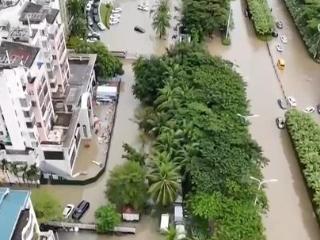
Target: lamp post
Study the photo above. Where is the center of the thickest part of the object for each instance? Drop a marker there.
(261, 183)
(247, 117)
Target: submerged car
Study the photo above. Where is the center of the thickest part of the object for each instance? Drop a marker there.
(139, 29)
(81, 209)
(67, 210)
(292, 101)
(101, 26)
(282, 104)
(284, 39)
(309, 109)
(279, 24)
(280, 123)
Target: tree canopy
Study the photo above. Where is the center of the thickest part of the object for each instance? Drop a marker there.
(106, 64)
(161, 18)
(203, 18)
(305, 135)
(126, 186)
(107, 218)
(193, 119)
(46, 206)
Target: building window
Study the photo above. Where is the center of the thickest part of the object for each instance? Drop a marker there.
(26, 114)
(29, 124)
(33, 103)
(52, 85)
(23, 102)
(53, 155)
(1, 132)
(54, 57)
(72, 158)
(39, 124)
(43, 32)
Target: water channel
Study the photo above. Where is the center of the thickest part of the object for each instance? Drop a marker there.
(291, 216)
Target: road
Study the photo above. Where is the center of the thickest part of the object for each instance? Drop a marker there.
(291, 216)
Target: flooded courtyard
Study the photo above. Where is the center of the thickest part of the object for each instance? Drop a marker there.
(290, 216)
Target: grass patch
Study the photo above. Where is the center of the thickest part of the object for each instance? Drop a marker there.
(105, 12)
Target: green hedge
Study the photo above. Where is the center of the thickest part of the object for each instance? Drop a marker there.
(305, 136)
(261, 17)
(306, 15)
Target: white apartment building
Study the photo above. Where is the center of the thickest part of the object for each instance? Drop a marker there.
(17, 217)
(45, 109)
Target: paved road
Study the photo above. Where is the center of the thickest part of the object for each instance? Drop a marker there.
(291, 216)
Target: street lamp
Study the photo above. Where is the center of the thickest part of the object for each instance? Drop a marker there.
(261, 183)
(247, 117)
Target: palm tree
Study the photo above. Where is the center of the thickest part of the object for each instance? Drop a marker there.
(15, 170)
(5, 168)
(164, 179)
(24, 170)
(161, 18)
(132, 154)
(33, 173)
(171, 234)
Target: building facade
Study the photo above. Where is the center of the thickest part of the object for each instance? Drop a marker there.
(45, 101)
(17, 217)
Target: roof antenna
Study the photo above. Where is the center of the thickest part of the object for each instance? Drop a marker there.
(7, 53)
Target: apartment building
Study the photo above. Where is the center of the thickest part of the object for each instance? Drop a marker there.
(17, 217)
(46, 109)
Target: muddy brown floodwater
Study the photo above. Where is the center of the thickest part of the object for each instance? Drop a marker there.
(291, 216)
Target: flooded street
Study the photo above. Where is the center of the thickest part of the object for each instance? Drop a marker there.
(122, 37)
(291, 216)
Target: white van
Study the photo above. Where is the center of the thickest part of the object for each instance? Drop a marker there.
(164, 222)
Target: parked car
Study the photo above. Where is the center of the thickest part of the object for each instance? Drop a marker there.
(94, 34)
(292, 101)
(282, 104)
(101, 26)
(280, 123)
(95, 11)
(318, 108)
(279, 48)
(81, 209)
(139, 29)
(90, 21)
(115, 15)
(284, 39)
(96, 18)
(143, 8)
(116, 10)
(309, 109)
(96, 4)
(88, 7)
(279, 24)
(92, 39)
(67, 210)
(114, 21)
(274, 34)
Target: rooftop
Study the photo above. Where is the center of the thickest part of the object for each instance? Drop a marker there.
(22, 34)
(12, 202)
(36, 13)
(18, 53)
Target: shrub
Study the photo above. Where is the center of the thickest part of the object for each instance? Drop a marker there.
(305, 136)
(261, 17)
(306, 17)
(107, 218)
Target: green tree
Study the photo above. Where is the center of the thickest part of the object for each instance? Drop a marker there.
(126, 186)
(79, 27)
(150, 75)
(164, 179)
(107, 218)
(76, 8)
(46, 206)
(15, 170)
(106, 64)
(132, 154)
(5, 167)
(171, 234)
(161, 18)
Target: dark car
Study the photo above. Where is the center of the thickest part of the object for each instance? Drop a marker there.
(96, 18)
(279, 24)
(82, 207)
(318, 108)
(96, 4)
(282, 104)
(274, 34)
(280, 123)
(95, 11)
(139, 29)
